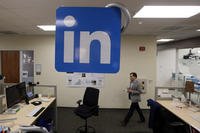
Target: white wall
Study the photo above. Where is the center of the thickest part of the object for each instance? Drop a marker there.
(112, 95)
(0, 62)
(166, 65)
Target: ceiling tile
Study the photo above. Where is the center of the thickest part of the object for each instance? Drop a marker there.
(22, 16)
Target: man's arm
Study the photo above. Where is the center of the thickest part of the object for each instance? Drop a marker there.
(136, 92)
(136, 89)
(129, 90)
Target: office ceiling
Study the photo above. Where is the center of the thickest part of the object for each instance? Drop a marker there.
(22, 16)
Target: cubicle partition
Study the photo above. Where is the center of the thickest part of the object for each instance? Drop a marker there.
(168, 92)
(46, 94)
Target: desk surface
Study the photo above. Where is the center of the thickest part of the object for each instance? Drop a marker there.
(21, 118)
(183, 113)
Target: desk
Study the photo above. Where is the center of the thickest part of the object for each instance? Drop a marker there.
(183, 113)
(22, 119)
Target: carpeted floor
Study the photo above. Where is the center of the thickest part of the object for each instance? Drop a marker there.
(108, 121)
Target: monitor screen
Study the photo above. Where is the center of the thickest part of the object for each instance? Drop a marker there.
(15, 94)
(22, 90)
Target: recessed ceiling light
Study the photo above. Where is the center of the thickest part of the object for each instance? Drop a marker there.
(164, 40)
(167, 12)
(198, 29)
(47, 27)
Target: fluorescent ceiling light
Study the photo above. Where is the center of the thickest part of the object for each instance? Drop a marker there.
(198, 29)
(167, 12)
(164, 40)
(47, 27)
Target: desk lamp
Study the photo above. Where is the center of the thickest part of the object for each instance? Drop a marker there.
(189, 87)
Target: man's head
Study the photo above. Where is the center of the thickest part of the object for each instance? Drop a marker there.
(133, 76)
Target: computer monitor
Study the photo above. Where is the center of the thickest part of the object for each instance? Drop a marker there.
(15, 94)
(22, 90)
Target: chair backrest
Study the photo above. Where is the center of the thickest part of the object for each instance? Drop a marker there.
(91, 96)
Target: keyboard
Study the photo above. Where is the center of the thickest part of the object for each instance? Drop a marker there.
(35, 112)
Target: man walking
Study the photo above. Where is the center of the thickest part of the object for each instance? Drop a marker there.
(134, 91)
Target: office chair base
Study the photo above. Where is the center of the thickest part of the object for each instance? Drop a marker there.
(81, 129)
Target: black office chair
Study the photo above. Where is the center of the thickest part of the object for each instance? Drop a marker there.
(88, 108)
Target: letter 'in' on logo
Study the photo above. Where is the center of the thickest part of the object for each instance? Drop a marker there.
(87, 39)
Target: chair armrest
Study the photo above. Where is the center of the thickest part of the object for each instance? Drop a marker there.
(79, 102)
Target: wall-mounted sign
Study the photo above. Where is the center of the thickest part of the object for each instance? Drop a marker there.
(142, 48)
(88, 39)
(38, 69)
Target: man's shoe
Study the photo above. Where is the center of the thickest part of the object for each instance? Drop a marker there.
(123, 123)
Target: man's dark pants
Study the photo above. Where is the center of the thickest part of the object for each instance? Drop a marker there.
(134, 106)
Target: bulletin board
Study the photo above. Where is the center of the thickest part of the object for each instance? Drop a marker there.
(85, 80)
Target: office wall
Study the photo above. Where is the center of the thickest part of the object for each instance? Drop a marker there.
(168, 62)
(166, 65)
(112, 95)
(0, 63)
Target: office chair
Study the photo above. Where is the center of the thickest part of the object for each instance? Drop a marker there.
(88, 108)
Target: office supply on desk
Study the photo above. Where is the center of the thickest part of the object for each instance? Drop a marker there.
(12, 111)
(7, 119)
(36, 103)
(30, 95)
(194, 109)
(177, 103)
(36, 111)
(16, 106)
(44, 99)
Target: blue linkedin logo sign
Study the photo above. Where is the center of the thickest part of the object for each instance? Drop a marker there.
(88, 39)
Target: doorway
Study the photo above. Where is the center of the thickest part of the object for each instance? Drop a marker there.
(10, 66)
